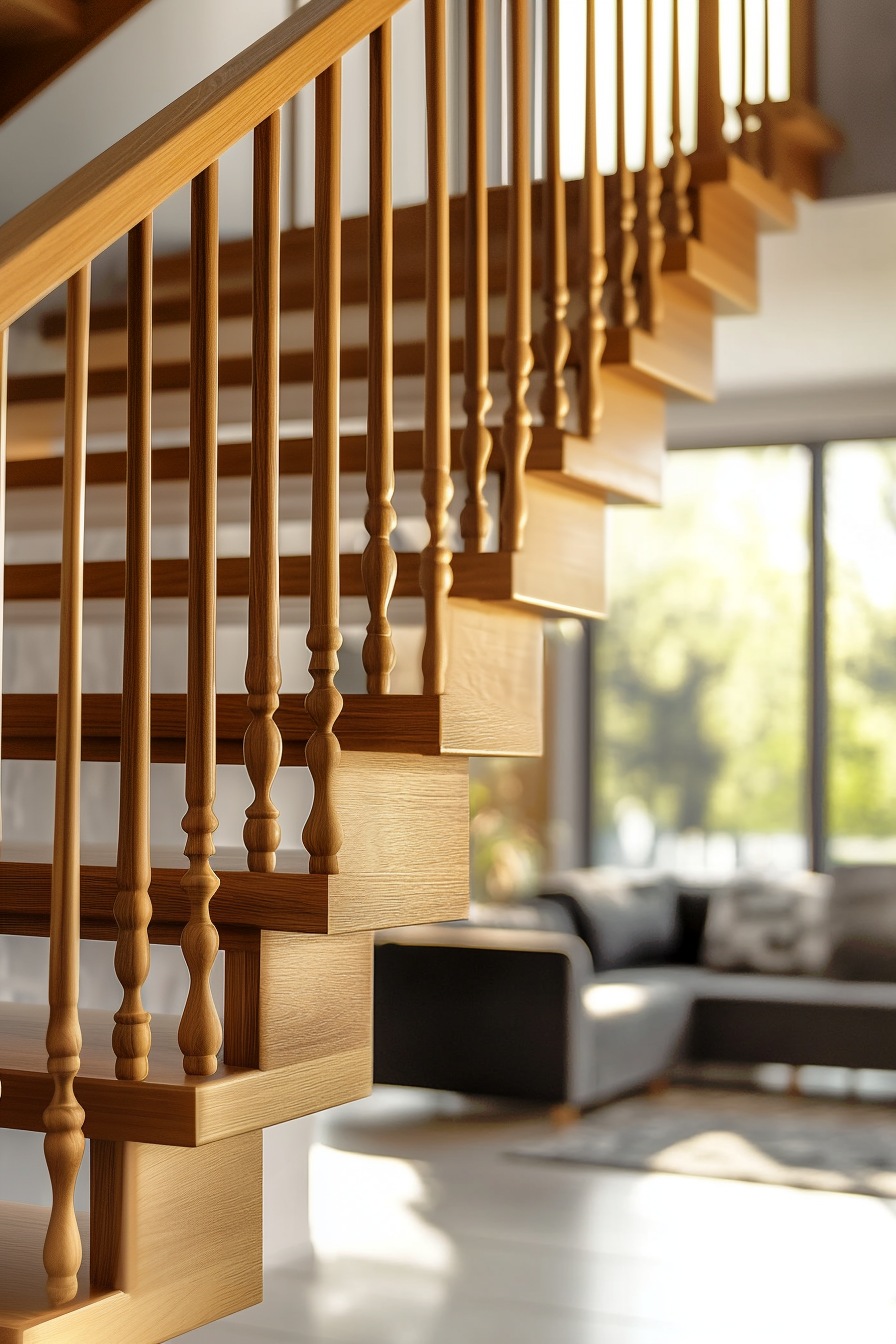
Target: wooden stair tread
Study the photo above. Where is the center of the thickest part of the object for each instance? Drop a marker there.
(774, 206)
(407, 723)
(481, 577)
(23, 1297)
(608, 465)
(169, 1107)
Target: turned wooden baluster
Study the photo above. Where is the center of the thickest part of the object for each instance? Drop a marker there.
(200, 1029)
(748, 142)
(592, 329)
(378, 564)
(322, 835)
(516, 435)
(710, 108)
(623, 295)
(675, 208)
(131, 1037)
(435, 560)
(476, 442)
(64, 1118)
(262, 745)
(555, 334)
(651, 234)
(766, 136)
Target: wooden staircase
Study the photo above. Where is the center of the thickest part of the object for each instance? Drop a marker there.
(351, 376)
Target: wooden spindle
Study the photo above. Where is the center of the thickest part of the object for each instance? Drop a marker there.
(710, 108)
(555, 334)
(516, 436)
(200, 1029)
(378, 564)
(476, 442)
(131, 1038)
(435, 560)
(802, 51)
(748, 142)
(624, 251)
(651, 234)
(64, 1118)
(675, 209)
(262, 745)
(323, 832)
(592, 330)
(766, 136)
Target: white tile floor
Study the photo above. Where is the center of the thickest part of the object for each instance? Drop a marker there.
(426, 1233)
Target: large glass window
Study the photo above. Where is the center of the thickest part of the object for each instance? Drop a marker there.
(860, 493)
(700, 674)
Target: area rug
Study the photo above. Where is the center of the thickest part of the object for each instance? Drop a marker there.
(737, 1136)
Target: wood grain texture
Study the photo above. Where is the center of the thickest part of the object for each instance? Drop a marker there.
(183, 1259)
(710, 108)
(48, 241)
(518, 359)
(200, 1031)
(131, 1037)
(170, 1106)
(262, 744)
(592, 329)
(435, 561)
(23, 1289)
(651, 235)
(622, 245)
(556, 338)
(295, 998)
(562, 567)
(322, 836)
(493, 706)
(379, 566)
(675, 210)
(748, 144)
(63, 1118)
(476, 444)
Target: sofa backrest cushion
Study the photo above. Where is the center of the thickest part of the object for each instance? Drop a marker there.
(863, 923)
(522, 914)
(626, 918)
(780, 925)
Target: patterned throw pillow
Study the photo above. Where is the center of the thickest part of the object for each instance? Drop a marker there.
(780, 925)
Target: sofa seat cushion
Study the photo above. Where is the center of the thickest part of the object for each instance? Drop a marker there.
(863, 923)
(634, 1030)
(624, 917)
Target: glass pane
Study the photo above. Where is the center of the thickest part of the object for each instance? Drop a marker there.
(860, 481)
(700, 691)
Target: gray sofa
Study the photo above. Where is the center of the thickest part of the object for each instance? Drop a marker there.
(596, 988)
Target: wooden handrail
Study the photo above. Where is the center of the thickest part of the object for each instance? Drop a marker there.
(58, 234)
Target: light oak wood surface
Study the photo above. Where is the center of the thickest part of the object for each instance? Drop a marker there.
(262, 746)
(556, 338)
(131, 1037)
(63, 1118)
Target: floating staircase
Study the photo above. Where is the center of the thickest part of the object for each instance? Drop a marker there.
(297, 396)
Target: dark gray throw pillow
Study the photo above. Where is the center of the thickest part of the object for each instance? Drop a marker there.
(626, 918)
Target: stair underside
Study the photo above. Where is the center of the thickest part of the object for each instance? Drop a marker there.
(169, 1107)
(23, 1298)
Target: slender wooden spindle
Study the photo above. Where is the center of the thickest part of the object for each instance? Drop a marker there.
(476, 443)
(766, 137)
(555, 334)
(323, 832)
(802, 51)
(378, 564)
(748, 143)
(200, 1030)
(64, 1118)
(651, 234)
(710, 108)
(592, 330)
(516, 437)
(262, 745)
(435, 560)
(624, 252)
(133, 909)
(675, 210)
